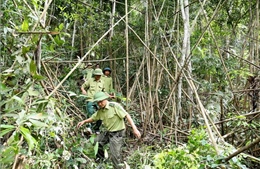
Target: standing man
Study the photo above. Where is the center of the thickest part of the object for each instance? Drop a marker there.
(90, 88)
(97, 66)
(108, 83)
(88, 72)
(112, 114)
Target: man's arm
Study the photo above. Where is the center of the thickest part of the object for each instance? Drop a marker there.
(89, 120)
(135, 130)
(83, 86)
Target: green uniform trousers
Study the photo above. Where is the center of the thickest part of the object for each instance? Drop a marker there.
(115, 140)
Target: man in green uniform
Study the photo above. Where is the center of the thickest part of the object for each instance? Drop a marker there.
(108, 83)
(112, 114)
(92, 86)
(88, 72)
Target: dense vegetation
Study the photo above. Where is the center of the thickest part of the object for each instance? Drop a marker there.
(186, 71)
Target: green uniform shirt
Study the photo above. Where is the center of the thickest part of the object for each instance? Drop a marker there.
(88, 73)
(108, 84)
(112, 116)
(93, 87)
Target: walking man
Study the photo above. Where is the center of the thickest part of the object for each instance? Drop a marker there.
(112, 114)
(90, 88)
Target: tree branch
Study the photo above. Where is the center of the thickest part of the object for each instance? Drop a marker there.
(242, 149)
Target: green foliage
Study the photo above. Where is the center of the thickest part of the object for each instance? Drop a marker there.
(176, 158)
(42, 130)
(36, 128)
(143, 157)
(197, 154)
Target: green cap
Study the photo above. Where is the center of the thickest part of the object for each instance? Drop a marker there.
(97, 72)
(99, 96)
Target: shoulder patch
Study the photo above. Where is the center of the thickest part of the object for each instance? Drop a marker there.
(112, 104)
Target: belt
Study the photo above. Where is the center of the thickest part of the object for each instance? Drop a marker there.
(117, 133)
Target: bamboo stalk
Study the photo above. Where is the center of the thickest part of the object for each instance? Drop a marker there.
(89, 61)
(39, 32)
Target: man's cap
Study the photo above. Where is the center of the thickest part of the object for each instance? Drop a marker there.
(107, 69)
(89, 64)
(98, 72)
(99, 96)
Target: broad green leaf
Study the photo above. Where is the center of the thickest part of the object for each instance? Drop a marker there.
(3, 132)
(21, 118)
(36, 116)
(37, 123)
(8, 155)
(61, 26)
(18, 99)
(13, 115)
(7, 126)
(14, 138)
(41, 107)
(25, 25)
(25, 49)
(5, 30)
(39, 101)
(241, 117)
(2, 86)
(8, 71)
(52, 134)
(58, 41)
(82, 95)
(96, 148)
(35, 3)
(105, 153)
(81, 160)
(33, 17)
(38, 77)
(92, 139)
(29, 138)
(72, 93)
(35, 39)
(51, 47)
(33, 68)
(33, 92)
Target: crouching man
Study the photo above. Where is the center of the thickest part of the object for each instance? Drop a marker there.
(112, 115)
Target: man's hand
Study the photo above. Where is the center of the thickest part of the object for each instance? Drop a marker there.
(89, 120)
(84, 92)
(80, 124)
(137, 133)
(135, 130)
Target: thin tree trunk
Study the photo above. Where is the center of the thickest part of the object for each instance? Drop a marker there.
(184, 54)
(148, 64)
(256, 36)
(73, 38)
(127, 54)
(111, 34)
(81, 41)
(187, 53)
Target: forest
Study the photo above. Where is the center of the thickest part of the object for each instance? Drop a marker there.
(186, 71)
